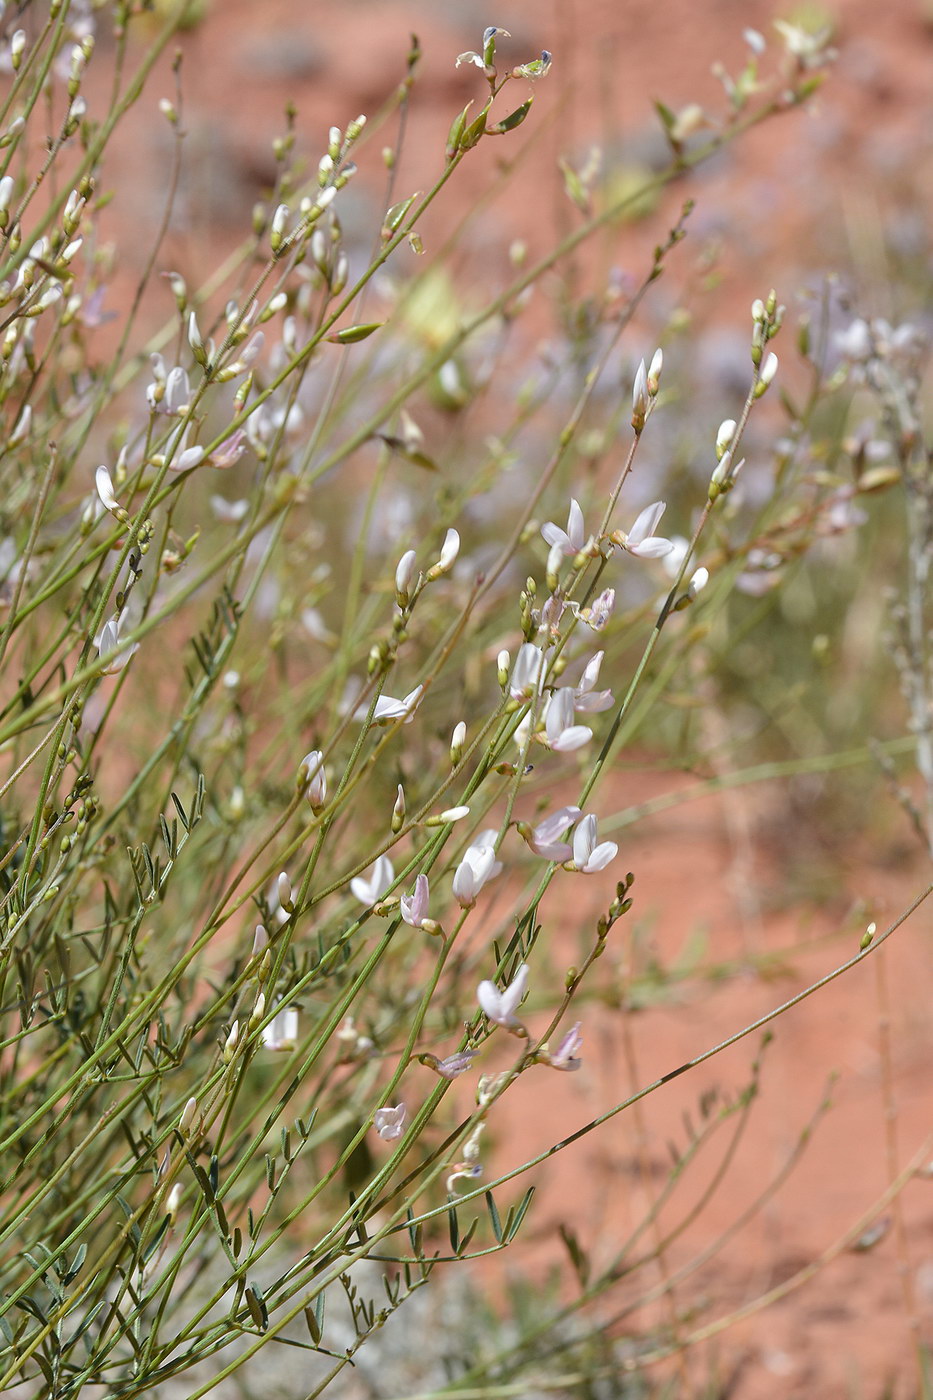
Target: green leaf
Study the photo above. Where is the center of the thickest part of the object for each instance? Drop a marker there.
(494, 1217)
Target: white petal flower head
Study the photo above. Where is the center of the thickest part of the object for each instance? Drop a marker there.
(390, 1122)
(641, 539)
(388, 708)
(526, 673)
(588, 856)
(282, 1031)
(104, 483)
(571, 540)
(449, 551)
(562, 735)
(500, 1007)
(370, 888)
(313, 779)
(586, 698)
(545, 837)
(107, 642)
(478, 866)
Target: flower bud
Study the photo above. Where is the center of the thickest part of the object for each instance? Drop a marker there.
(404, 573)
(503, 667)
(457, 742)
(230, 1044)
(398, 810)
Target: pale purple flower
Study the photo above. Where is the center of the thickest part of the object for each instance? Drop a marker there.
(477, 866)
(588, 857)
(544, 838)
(526, 673)
(415, 907)
(370, 888)
(388, 708)
(566, 1056)
(390, 1122)
(453, 1066)
(571, 540)
(191, 457)
(562, 735)
(586, 699)
(600, 610)
(500, 1007)
(229, 451)
(641, 539)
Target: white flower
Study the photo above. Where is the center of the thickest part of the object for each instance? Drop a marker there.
(855, 342)
(405, 572)
(562, 735)
(641, 539)
(313, 779)
(500, 1007)
(388, 708)
(586, 699)
(588, 857)
(543, 839)
(678, 553)
(571, 540)
(370, 888)
(415, 907)
(107, 642)
(449, 551)
(104, 484)
(390, 1122)
(282, 1031)
(229, 512)
(477, 866)
(526, 672)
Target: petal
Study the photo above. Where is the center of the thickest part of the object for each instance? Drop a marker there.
(554, 535)
(575, 527)
(646, 523)
(512, 996)
(490, 1000)
(584, 839)
(654, 547)
(601, 856)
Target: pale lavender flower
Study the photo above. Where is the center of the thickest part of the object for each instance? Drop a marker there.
(562, 735)
(453, 1066)
(566, 1056)
(641, 539)
(388, 708)
(390, 1122)
(588, 857)
(586, 699)
(526, 672)
(370, 888)
(600, 610)
(571, 540)
(477, 866)
(414, 907)
(500, 1007)
(229, 451)
(544, 838)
